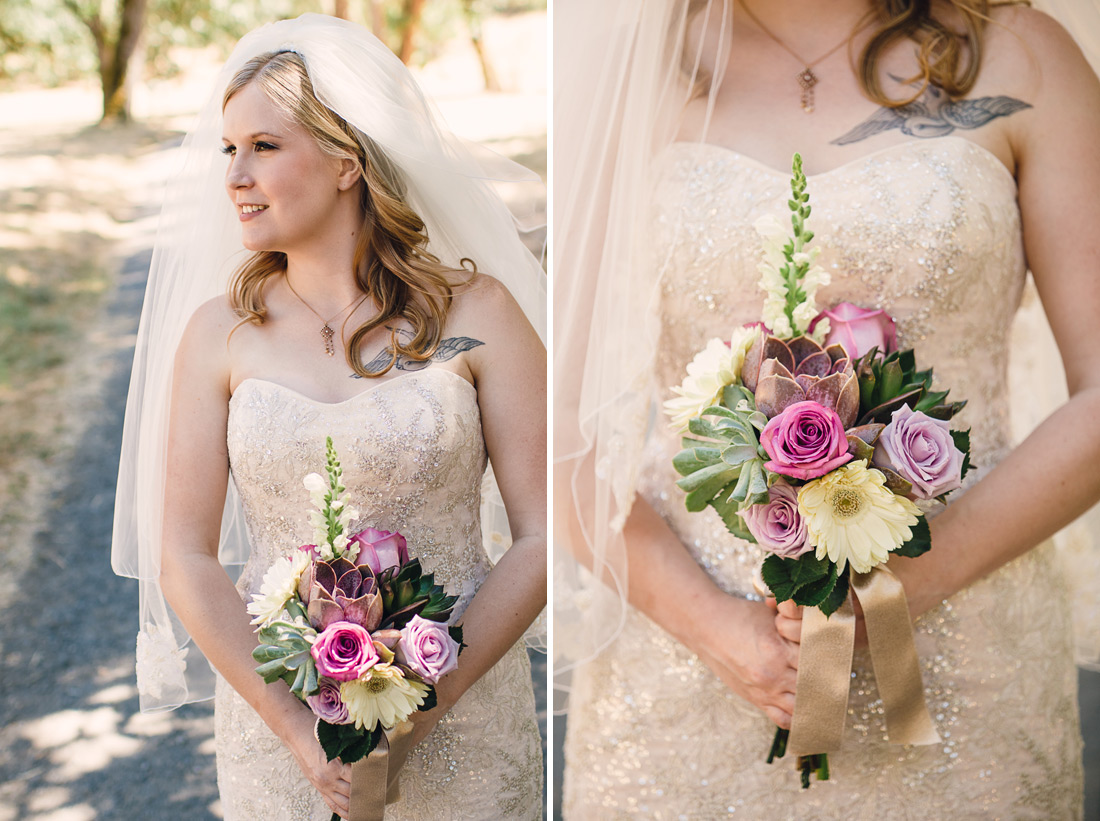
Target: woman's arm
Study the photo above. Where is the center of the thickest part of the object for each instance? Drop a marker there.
(1054, 475)
(735, 637)
(509, 372)
(193, 581)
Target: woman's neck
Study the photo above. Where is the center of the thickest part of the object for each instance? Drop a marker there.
(807, 26)
(322, 270)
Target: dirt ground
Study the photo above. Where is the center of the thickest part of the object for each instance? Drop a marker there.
(78, 205)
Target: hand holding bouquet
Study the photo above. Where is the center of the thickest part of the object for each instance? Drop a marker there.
(812, 437)
(359, 633)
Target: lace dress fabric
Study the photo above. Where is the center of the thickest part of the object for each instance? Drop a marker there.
(413, 457)
(930, 231)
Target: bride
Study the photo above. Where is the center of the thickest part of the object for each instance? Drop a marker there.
(949, 146)
(384, 300)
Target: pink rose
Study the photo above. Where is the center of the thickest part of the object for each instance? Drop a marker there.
(920, 450)
(859, 329)
(805, 441)
(379, 549)
(777, 525)
(344, 651)
(327, 704)
(426, 648)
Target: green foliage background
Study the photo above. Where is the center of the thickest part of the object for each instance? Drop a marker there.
(42, 41)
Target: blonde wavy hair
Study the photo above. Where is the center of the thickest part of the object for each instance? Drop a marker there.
(947, 59)
(392, 263)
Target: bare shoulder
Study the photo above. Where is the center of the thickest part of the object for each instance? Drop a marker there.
(484, 310)
(204, 343)
(1033, 51)
(484, 304)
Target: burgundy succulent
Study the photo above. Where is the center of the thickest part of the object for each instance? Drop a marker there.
(781, 373)
(341, 591)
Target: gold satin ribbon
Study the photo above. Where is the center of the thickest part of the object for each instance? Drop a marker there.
(825, 667)
(374, 778)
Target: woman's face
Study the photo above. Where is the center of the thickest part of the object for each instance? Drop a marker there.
(283, 186)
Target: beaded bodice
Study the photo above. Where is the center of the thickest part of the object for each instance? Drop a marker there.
(413, 459)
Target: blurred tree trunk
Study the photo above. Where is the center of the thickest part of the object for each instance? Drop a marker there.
(340, 9)
(376, 19)
(473, 22)
(413, 9)
(114, 50)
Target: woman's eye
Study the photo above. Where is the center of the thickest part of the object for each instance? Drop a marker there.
(228, 150)
(262, 146)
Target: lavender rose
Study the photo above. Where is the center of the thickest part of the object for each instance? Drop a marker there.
(777, 525)
(327, 704)
(344, 651)
(805, 441)
(859, 329)
(427, 649)
(920, 449)
(379, 549)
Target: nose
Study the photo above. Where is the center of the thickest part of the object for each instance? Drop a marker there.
(236, 175)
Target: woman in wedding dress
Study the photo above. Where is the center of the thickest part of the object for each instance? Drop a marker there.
(359, 314)
(933, 211)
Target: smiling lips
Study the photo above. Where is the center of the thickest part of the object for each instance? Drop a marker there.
(252, 209)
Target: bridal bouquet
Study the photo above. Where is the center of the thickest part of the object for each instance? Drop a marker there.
(812, 437)
(357, 630)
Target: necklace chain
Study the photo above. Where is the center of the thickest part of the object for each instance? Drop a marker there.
(806, 77)
(327, 333)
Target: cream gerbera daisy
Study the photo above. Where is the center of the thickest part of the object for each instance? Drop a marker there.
(712, 369)
(852, 517)
(279, 585)
(383, 696)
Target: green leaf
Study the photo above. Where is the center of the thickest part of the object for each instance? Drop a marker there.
(837, 596)
(692, 459)
(920, 543)
(961, 438)
(785, 577)
(345, 742)
(727, 510)
(735, 455)
(890, 381)
(272, 670)
(721, 472)
(430, 701)
(813, 594)
(267, 652)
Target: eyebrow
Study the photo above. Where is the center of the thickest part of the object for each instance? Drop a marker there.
(255, 135)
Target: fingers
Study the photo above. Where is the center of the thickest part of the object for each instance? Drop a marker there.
(790, 629)
(781, 718)
(771, 602)
(789, 609)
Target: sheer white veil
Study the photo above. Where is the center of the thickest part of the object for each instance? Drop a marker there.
(198, 247)
(620, 87)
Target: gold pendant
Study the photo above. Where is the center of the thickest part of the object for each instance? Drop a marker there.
(807, 79)
(327, 333)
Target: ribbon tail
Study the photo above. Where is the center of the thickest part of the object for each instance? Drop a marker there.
(374, 778)
(894, 657)
(824, 674)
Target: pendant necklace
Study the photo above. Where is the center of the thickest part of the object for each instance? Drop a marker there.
(326, 330)
(806, 78)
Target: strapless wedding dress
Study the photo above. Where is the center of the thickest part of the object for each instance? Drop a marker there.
(413, 457)
(930, 231)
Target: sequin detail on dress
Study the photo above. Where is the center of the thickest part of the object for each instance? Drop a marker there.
(929, 231)
(413, 458)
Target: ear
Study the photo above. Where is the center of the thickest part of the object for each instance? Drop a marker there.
(349, 174)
